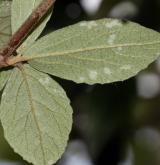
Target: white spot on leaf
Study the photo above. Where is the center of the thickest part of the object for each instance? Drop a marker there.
(107, 71)
(111, 39)
(126, 67)
(81, 79)
(58, 92)
(44, 81)
(113, 23)
(119, 48)
(89, 24)
(93, 75)
(83, 23)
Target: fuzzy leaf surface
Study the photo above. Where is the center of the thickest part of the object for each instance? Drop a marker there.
(38, 118)
(5, 33)
(4, 76)
(21, 9)
(5, 22)
(100, 51)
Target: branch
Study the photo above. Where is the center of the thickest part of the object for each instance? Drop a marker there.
(19, 36)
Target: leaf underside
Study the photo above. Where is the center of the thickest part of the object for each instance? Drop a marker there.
(5, 22)
(100, 51)
(35, 111)
(4, 76)
(21, 9)
(37, 121)
(5, 33)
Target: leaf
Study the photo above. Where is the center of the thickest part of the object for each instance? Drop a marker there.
(100, 51)
(38, 120)
(21, 9)
(4, 76)
(5, 33)
(5, 22)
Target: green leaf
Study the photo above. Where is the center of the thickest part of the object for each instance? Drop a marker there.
(5, 33)
(100, 51)
(5, 22)
(38, 118)
(21, 9)
(4, 76)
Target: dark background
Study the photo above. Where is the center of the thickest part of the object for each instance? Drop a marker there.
(114, 124)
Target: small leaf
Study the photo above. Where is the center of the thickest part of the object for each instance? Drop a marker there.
(21, 9)
(38, 118)
(5, 22)
(100, 51)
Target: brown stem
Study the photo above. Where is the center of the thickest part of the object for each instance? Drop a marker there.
(18, 37)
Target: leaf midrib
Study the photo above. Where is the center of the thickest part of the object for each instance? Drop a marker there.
(19, 58)
(24, 75)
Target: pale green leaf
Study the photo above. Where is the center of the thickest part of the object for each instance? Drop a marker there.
(5, 22)
(21, 9)
(100, 51)
(5, 33)
(4, 76)
(38, 118)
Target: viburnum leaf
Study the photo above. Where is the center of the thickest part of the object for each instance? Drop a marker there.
(101, 51)
(36, 116)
